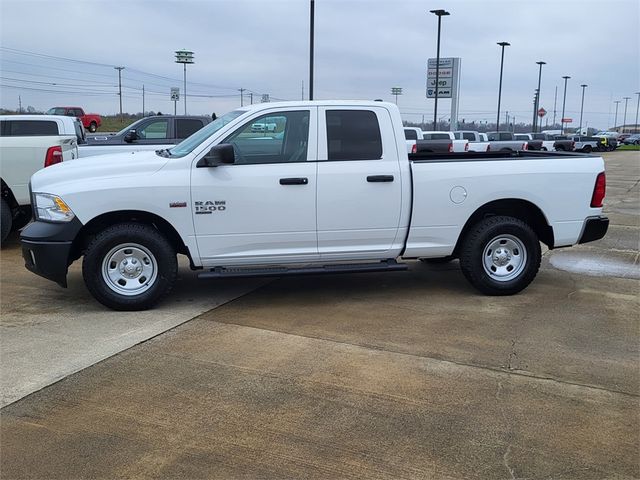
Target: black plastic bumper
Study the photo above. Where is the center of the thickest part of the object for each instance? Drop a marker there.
(594, 229)
(46, 248)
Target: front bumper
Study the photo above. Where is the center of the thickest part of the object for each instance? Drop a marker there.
(594, 229)
(46, 248)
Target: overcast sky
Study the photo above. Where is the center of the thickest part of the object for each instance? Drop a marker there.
(363, 48)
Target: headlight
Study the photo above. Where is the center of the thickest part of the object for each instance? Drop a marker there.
(51, 208)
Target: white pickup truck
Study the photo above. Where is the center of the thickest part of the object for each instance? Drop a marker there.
(29, 143)
(459, 145)
(478, 142)
(334, 192)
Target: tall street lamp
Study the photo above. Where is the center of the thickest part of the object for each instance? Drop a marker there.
(626, 100)
(584, 86)
(120, 88)
(564, 101)
(615, 119)
(184, 57)
(396, 91)
(311, 36)
(535, 110)
(440, 14)
(637, 108)
(502, 44)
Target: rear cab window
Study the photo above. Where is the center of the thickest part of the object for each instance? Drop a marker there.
(185, 127)
(29, 128)
(353, 135)
(410, 134)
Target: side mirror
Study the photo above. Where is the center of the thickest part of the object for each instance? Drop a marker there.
(218, 155)
(130, 136)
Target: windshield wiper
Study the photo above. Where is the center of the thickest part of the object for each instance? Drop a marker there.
(164, 152)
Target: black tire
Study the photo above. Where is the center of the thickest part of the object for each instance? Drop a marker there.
(493, 230)
(560, 148)
(544, 149)
(587, 149)
(6, 220)
(93, 127)
(135, 237)
(438, 261)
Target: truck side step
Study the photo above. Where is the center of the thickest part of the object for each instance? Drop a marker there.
(238, 272)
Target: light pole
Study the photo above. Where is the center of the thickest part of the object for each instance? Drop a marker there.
(184, 57)
(440, 14)
(241, 90)
(502, 44)
(396, 91)
(120, 88)
(615, 119)
(555, 101)
(626, 100)
(311, 29)
(537, 105)
(584, 86)
(564, 101)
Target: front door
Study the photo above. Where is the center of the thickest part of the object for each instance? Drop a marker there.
(263, 206)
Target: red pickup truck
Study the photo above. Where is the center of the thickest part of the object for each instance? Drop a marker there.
(90, 121)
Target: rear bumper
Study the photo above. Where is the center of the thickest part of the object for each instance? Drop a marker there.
(594, 229)
(46, 249)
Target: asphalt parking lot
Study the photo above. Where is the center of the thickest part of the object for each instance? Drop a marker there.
(396, 375)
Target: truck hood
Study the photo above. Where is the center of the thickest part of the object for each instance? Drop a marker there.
(63, 176)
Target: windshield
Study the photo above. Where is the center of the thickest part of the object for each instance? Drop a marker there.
(189, 144)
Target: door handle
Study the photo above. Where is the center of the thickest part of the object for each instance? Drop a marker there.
(380, 178)
(294, 181)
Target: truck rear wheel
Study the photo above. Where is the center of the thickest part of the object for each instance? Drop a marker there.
(93, 126)
(129, 266)
(6, 220)
(500, 255)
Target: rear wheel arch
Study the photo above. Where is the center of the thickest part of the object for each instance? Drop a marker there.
(7, 194)
(101, 222)
(511, 207)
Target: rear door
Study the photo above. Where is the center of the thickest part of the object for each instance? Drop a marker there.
(359, 184)
(185, 127)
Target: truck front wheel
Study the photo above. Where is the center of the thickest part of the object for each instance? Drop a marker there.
(93, 126)
(129, 266)
(500, 255)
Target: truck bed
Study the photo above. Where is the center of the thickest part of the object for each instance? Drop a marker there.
(421, 157)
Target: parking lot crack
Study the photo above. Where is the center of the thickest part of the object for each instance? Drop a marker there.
(505, 460)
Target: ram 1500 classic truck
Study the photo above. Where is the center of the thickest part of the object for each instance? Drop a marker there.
(458, 145)
(334, 192)
(90, 121)
(27, 144)
(506, 142)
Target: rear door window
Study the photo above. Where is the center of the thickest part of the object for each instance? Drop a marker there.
(469, 136)
(154, 130)
(353, 135)
(505, 136)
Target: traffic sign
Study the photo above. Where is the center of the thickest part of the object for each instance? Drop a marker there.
(567, 120)
(542, 112)
(175, 94)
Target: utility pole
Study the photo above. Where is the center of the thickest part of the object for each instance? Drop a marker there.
(626, 99)
(120, 88)
(241, 90)
(311, 28)
(440, 14)
(302, 94)
(19, 104)
(143, 100)
(251, 97)
(564, 101)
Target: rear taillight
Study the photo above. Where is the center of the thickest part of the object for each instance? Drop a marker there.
(450, 147)
(525, 146)
(599, 191)
(466, 147)
(414, 148)
(54, 155)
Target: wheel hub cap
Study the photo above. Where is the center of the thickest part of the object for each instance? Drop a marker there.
(129, 269)
(504, 258)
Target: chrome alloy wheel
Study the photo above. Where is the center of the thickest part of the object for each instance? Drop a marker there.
(129, 269)
(504, 258)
